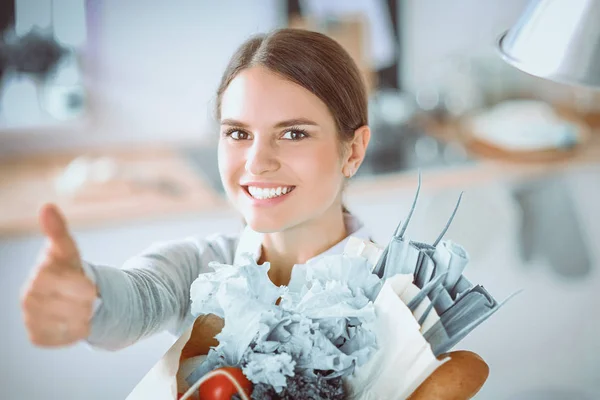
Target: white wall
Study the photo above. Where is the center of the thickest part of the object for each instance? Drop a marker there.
(161, 61)
(157, 64)
(154, 71)
(436, 30)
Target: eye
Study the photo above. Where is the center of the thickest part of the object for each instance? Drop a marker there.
(237, 134)
(294, 134)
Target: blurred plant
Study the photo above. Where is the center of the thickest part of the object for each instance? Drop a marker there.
(35, 54)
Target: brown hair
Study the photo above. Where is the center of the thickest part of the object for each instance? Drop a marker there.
(313, 61)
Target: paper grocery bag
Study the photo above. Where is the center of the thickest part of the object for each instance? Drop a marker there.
(160, 382)
(404, 358)
(168, 375)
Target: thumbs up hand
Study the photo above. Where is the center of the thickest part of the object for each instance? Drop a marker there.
(57, 301)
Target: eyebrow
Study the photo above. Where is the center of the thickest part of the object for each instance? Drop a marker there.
(281, 124)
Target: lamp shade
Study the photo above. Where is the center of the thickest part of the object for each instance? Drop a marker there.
(558, 40)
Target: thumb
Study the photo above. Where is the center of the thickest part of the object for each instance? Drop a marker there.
(54, 226)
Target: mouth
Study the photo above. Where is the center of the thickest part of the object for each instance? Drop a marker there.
(259, 193)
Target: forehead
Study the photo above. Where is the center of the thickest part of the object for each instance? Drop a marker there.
(257, 95)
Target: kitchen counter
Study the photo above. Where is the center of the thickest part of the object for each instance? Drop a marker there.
(166, 185)
(162, 186)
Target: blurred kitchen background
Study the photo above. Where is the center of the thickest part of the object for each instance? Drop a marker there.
(106, 108)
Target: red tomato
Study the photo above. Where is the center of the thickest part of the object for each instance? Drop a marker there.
(220, 387)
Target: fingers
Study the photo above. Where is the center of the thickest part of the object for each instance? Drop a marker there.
(53, 321)
(58, 307)
(47, 331)
(54, 226)
(66, 283)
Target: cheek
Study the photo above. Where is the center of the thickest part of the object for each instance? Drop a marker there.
(322, 171)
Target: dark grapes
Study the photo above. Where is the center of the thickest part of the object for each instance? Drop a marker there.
(301, 387)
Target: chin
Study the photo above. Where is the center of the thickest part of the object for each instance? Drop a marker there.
(265, 222)
(262, 225)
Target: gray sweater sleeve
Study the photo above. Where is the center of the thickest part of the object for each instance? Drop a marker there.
(151, 292)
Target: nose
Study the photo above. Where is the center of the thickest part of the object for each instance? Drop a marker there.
(261, 158)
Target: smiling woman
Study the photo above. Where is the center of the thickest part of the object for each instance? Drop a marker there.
(293, 114)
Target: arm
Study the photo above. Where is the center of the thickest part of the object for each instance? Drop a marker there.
(151, 292)
(460, 378)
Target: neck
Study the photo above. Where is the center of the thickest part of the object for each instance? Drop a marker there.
(299, 244)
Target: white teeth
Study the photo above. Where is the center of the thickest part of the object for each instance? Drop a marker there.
(268, 193)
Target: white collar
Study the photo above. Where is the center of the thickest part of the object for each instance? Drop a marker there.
(251, 241)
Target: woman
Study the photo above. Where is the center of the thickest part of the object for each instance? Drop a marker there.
(293, 113)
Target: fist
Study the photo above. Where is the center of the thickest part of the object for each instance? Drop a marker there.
(57, 301)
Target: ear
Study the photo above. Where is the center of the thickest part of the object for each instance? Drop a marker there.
(357, 150)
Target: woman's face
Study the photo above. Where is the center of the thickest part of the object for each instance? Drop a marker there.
(279, 155)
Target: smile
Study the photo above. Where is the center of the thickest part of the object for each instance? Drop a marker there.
(268, 193)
